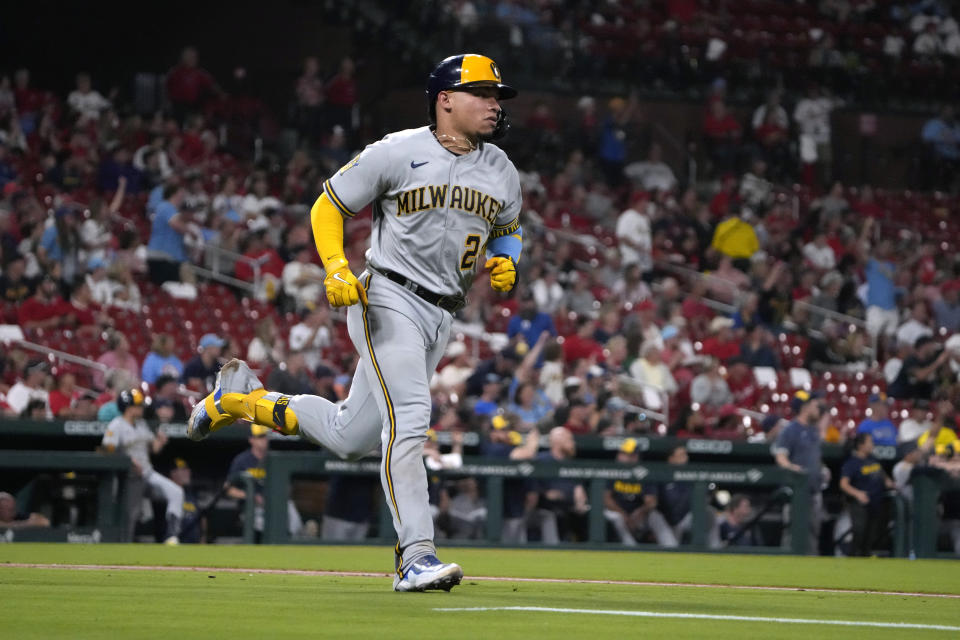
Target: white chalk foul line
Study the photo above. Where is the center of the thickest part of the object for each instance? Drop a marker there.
(377, 574)
(708, 616)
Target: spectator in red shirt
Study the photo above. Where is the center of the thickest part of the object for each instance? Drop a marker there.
(259, 250)
(727, 197)
(578, 418)
(64, 397)
(189, 85)
(695, 311)
(742, 383)
(46, 309)
(722, 344)
(341, 92)
(581, 345)
(90, 317)
(774, 141)
(722, 136)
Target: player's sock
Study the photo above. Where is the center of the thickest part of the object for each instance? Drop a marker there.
(262, 407)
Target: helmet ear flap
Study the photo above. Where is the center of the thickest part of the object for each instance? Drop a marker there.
(501, 129)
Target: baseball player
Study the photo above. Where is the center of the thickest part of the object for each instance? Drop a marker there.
(130, 435)
(445, 201)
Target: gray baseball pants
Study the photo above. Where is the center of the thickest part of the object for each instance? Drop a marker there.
(400, 338)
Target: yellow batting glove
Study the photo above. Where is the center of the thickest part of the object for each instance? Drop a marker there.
(343, 288)
(503, 273)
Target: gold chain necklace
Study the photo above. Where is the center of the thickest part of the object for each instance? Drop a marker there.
(448, 141)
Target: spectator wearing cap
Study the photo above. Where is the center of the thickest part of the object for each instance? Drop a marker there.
(946, 310)
(529, 322)
(117, 356)
(916, 327)
(166, 249)
(252, 463)
(311, 335)
(160, 360)
(721, 344)
(201, 369)
(45, 309)
(453, 376)
(303, 279)
(709, 387)
(627, 504)
(864, 482)
(798, 448)
(917, 377)
(33, 386)
(129, 435)
(879, 425)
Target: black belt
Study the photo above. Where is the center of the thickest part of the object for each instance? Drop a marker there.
(447, 303)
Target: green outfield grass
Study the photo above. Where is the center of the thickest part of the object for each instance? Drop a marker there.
(110, 603)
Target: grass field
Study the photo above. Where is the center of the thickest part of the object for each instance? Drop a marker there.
(148, 591)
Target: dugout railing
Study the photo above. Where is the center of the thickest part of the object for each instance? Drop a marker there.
(281, 467)
(109, 477)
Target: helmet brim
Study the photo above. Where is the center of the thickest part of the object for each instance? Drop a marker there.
(506, 91)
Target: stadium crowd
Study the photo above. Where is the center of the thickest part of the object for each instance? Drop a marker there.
(161, 246)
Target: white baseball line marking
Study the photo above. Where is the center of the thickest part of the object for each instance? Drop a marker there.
(707, 616)
(377, 574)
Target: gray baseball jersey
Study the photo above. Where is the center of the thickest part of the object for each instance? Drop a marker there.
(131, 439)
(432, 210)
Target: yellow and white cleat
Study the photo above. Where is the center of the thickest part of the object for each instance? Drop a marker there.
(208, 415)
